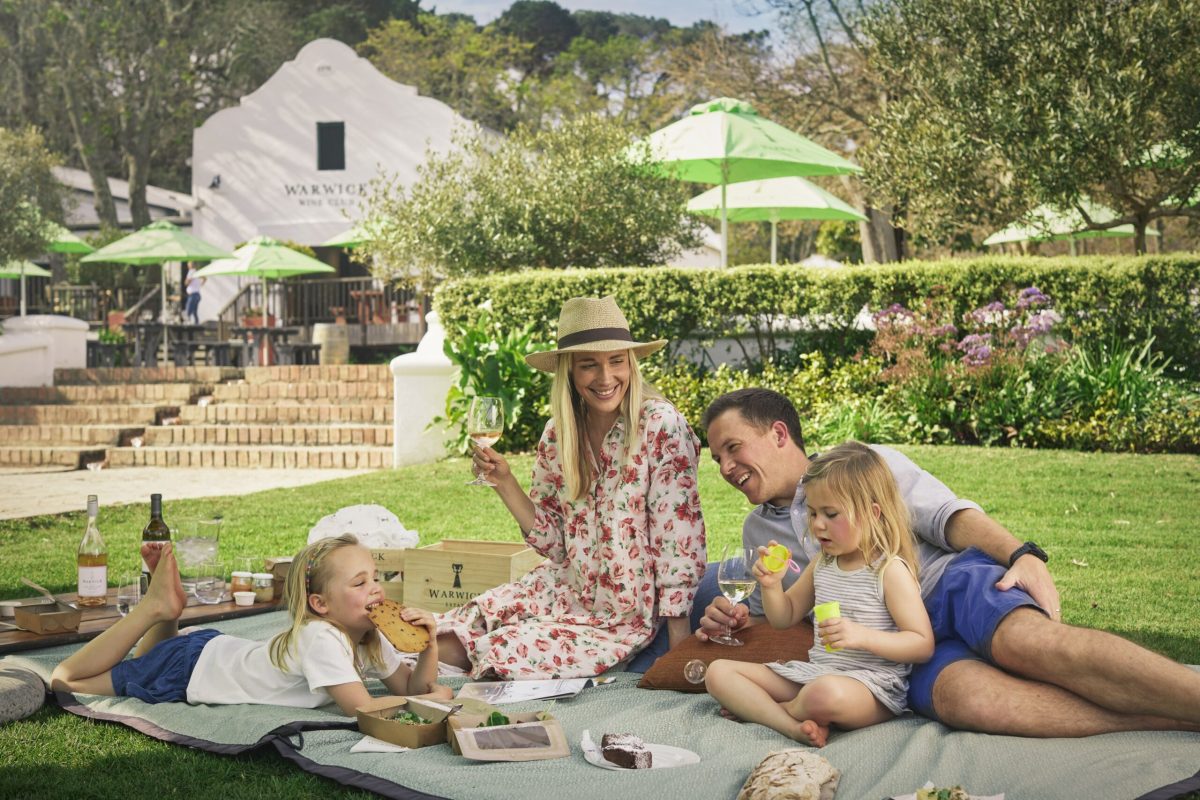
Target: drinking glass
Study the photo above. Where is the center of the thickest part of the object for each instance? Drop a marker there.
(485, 423)
(129, 592)
(736, 581)
(210, 584)
(196, 543)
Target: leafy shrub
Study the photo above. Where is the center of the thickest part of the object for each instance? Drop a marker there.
(1124, 297)
(490, 356)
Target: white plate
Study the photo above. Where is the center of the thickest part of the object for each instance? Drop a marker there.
(665, 756)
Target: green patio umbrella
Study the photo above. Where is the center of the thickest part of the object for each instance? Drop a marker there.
(725, 141)
(157, 242)
(265, 258)
(15, 270)
(772, 200)
(356, 236)
(1050, 224)
(63, 241)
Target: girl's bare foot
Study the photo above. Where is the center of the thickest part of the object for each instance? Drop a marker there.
(165, 595)
(727, 714)
(813, 733)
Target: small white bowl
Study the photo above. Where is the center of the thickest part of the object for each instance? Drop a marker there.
(243, 598)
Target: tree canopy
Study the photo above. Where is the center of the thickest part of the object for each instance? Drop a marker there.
(1007, 106)
(29, 195)
(573, 196)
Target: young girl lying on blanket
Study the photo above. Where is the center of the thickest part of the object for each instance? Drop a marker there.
(867, 564)
(325, 654)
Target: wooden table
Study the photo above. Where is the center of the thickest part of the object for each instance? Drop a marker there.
(97, 620)
(260, 342)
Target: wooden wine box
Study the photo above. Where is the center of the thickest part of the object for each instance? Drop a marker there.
(389, 568)
(448, 573)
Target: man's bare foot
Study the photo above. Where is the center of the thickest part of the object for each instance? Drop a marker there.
(165, 595)
(813, 733)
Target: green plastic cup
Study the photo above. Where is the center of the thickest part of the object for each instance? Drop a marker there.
(826, 611)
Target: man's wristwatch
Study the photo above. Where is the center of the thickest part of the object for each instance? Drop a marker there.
(1031, 549)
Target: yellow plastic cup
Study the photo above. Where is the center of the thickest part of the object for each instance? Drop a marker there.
(826, 611)
(776, 558)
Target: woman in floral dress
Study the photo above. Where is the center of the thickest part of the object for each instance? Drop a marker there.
(613, 506)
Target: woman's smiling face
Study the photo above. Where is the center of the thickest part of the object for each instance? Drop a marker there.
(602, 379)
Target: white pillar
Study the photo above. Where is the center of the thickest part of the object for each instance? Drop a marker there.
(421, 381)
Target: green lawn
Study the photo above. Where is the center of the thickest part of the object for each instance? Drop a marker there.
(1121, 531)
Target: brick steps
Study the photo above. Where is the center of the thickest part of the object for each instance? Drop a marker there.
(265, 456)
(297, 435)
(300, 391)
(138, 375)
(54, 435)
(162, 393)
(46, 456)
(376, 413)
(295, 417)
(338, 373)
(131, 415)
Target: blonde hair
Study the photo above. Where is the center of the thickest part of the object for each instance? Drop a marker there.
(569, 413)
(310, 574)
(857, 478)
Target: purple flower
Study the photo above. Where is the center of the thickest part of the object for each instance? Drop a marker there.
(891, 314)
(1043, 321)
(991, 314)
(1031, 298)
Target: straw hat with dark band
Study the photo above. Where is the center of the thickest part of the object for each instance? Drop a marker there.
(588, 325)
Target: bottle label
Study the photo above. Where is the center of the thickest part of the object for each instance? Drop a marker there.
(93, 581)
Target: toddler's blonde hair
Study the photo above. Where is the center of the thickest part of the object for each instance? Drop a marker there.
(310, 574)
(857, 477)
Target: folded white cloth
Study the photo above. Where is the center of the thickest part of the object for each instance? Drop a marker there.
(369, 744)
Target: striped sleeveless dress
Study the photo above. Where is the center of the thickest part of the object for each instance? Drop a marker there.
(860, 594)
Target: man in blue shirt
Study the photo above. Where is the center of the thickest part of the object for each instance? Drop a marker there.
(1004, 661)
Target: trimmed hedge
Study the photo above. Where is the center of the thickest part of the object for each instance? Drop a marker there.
(1129, 298)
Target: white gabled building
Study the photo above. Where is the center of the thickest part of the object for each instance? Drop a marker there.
(294, 158)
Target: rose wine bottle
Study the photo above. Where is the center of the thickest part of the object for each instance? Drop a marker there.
(92, 558)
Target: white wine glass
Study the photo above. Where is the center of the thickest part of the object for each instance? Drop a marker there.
(485, 424)
(735, 578)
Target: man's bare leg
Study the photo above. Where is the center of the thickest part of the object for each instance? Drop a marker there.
(89, 669)
(1100, 667)
(975, 696)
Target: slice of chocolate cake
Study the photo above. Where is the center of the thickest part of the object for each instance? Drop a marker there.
(626, 750)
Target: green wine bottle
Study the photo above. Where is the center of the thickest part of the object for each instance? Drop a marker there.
(156, 531)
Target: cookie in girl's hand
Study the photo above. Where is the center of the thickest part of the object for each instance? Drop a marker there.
(404, 636)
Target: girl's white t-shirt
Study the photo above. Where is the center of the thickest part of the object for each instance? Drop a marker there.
(235, 670)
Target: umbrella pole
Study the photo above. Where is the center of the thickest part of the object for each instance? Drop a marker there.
(773, 240)
(724, 221)
(22, 291)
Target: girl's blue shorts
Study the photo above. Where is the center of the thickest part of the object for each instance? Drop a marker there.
(162, 675)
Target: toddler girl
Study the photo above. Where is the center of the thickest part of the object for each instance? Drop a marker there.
(867, 564)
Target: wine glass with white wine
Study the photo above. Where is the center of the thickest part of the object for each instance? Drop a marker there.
(735, 578)
(485, 423)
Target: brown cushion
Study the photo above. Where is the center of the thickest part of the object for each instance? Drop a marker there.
(763, 644)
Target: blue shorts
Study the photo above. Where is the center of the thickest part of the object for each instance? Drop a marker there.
(162, 675)
(965, 607)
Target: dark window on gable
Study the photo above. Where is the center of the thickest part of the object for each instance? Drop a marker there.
(331, 145)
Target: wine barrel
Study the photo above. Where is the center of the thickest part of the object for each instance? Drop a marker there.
(334, 341)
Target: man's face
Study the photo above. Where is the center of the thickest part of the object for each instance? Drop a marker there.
(753, 459)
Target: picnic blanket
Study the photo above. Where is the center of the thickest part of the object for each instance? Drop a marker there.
(877, 762)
